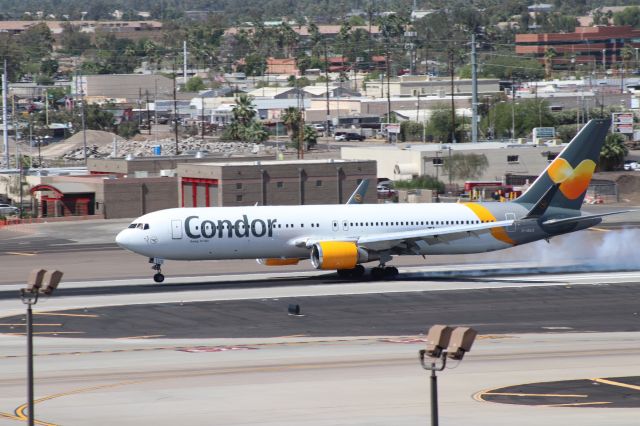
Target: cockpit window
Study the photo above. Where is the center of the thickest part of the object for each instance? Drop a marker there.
(133, 225)
(146, 226)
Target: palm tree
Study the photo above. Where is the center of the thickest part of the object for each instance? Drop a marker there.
(244, 110)
(291, 119)
(627, 54)
(613, 152)
(549, 54)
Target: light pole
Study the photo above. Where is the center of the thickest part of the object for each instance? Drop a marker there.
(40, 282)
(444, 342)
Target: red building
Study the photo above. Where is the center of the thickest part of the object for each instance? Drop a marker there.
(584, 46)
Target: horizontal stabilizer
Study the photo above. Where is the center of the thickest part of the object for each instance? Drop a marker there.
(543, 203)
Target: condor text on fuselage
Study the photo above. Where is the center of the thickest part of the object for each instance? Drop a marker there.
(196, 229)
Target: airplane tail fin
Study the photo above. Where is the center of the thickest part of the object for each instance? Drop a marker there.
(570, 171)
(358, 195)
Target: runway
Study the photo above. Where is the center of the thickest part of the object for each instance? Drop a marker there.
(217, 346)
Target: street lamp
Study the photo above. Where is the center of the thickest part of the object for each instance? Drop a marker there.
(444, 342)
(40, 282)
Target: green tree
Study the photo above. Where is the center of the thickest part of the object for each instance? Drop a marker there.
(421, 182)
(244, 125)
(549, 55)
(613, 152)
(291, 119)
(466, 166)
(194, 84)
(37, 42)
(628, 16)
(73, 41)
(440, 124)
(13, 53)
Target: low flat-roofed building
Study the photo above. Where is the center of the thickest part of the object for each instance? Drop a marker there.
(273, 182)
(156, 166)
(404, 161)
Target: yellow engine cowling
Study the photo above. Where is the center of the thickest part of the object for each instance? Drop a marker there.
(278, 261)
(339, 255)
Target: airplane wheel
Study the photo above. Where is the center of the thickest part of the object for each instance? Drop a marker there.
(158, 277)
(358, 271)
(391, 271)
(377, 273)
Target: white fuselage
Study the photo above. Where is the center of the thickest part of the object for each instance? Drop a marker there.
(276, 231)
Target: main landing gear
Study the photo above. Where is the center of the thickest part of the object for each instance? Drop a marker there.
(356, 272)
(382, 271)
(157, 265)
(377, 273)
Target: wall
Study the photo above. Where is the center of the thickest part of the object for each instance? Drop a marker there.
(131, 197)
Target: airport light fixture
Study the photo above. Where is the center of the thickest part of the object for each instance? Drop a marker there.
(39, 283)
(444, 342)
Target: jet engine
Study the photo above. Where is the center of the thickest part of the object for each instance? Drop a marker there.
(339, 255)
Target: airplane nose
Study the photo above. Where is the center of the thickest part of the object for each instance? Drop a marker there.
(123, 239)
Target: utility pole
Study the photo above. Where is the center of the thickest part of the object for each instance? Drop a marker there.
(84, 126)
(326, 78)
(202, 114)
(474, 90)
(148, 112)
(418, 117)
(140, 107)
(175, 108)
(388, 63)
(5, 129)
(184, 65)
(453, 104)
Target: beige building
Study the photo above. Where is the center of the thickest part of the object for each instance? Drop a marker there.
(405, 161)
(414, 85)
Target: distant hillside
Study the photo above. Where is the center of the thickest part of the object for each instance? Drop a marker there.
(250, 10)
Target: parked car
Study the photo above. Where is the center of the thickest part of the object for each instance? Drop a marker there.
(631, 165)
(349, 137)
(318, 127)
(7, 209)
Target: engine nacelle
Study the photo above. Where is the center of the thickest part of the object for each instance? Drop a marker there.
(339, 255)
(277, 262)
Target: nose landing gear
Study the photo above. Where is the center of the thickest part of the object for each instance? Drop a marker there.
(157, 265)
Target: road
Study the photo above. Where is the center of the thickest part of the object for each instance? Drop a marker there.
(559, 329)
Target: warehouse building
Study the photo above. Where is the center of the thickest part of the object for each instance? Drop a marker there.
(273, 182)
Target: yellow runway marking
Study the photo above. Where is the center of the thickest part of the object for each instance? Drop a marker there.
(141, 337)
(17, 253)
(577, 404)
(600, 229)
(620, 384)
(537, 394)
(20, 411)
(54, 314)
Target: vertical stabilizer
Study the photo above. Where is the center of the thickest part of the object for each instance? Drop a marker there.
(571, 170)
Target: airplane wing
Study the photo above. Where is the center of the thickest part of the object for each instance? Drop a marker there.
(430, 236)
(583, 217)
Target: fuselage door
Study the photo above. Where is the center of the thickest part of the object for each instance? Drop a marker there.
(511, 216)
(345, 225)
(335, 225)
(176, 229)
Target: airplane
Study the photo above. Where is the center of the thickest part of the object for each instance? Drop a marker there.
(344, 237)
